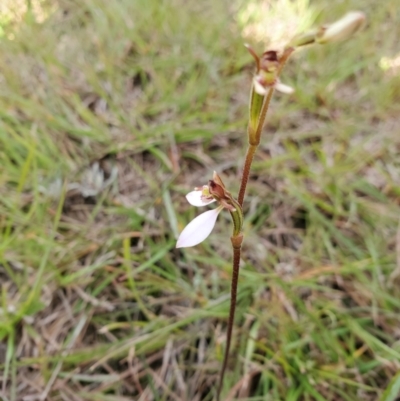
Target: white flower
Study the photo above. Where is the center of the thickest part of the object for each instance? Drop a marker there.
(200, 227)
(278, 85)
(200, 197)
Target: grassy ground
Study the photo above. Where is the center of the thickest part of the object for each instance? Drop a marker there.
(109, 113)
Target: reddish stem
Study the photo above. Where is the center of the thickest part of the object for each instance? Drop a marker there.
(234, 284)
(251, 150)
(237, 240)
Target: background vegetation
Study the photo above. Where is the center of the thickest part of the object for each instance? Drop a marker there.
(110, 112)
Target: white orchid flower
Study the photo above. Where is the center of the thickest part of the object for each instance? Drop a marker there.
(200, 227)
(262, 89)
(266, 75)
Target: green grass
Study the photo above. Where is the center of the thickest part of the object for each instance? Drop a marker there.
(97, 304)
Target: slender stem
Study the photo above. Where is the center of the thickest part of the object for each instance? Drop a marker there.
(234, 284)
(263, 114)
(237, 238)
(251, 150)
(253, 145)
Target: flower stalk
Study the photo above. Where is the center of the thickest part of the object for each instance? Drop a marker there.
(269, 67)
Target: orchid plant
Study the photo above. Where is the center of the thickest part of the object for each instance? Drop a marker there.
(266, 79)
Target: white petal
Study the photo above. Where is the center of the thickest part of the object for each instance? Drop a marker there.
(280, 87)
(195, 199)
(198, 229)
(259, 88)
